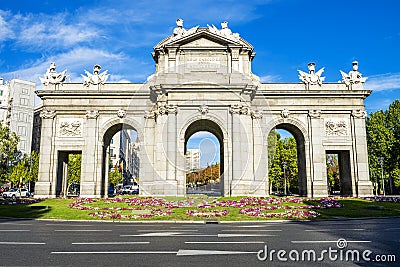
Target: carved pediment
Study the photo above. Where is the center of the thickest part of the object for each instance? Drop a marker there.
(203, 42)
(202, 37)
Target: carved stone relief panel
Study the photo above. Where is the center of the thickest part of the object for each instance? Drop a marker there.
(70, 127)
(336, 127)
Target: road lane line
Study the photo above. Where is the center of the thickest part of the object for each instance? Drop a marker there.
(114, 252)
(241, 235)
(188, 252)
(224, 242)
(334, 230)
(256, 226)
(111, 243)
(164, 230)
(3, 223)
(72, 225)
(327, 241)
(82, 230)
(16, 230)
(21, 243)
(167, 235)
(240, 230)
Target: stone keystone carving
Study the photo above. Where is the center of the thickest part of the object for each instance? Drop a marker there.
(203, 109)
(121, 113)
(311, 77)
(52, 76)
(95, 78)
(285, 113)
(354, 76)
(359, 113)
(336, 127)
(47, 114)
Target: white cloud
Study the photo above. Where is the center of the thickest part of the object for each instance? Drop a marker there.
(5, 30)
(269, 78)
(79, 59)
(381, 82)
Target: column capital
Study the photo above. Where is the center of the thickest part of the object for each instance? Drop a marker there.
(47, 114)
(92, 114)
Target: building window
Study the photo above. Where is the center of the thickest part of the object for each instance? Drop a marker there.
(24, 101)
(21, 130)
(23, 117)
(25, 91)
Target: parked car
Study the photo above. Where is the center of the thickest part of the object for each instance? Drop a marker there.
(16, 193)
(131, 190)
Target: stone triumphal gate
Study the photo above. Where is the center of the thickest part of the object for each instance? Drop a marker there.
(203, 82)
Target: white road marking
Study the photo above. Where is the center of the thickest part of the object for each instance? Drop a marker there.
(255, 226)
(73, 225)
(262, 230)
(167, 232)
(111, 243)
(21, 243)
(328, 241)
(113, 252)
(17, 230)
(241, 235)
(188, 252)
(14, 223)
(82, 230)
(389, 229)
(334, 230)
(181, 252)
(224, 242)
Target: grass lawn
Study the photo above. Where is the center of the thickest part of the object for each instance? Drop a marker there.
(198, 207)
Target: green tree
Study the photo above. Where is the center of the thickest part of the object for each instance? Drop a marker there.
(115, 177)
(74, 168)
(284, 150)
(8, 151)
(19, 173)
(380, 141)
(393, 124)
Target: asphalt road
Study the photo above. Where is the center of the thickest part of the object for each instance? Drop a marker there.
(57, 243)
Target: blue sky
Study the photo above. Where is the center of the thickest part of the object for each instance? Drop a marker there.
(286, 35)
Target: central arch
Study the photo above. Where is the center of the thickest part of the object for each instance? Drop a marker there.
(212, 127)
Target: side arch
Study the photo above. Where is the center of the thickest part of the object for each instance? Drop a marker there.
(300, 133)
(106, 133)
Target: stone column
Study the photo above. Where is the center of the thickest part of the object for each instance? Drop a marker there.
(91, 181)
(47, 180)
(316, 168)
(247, 146)
(363, 185)
(260, 185)
(147, 159)
(236, 149)
(172, 152)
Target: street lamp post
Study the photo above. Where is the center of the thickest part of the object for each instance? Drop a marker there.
(383, 181)
(284, 176)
